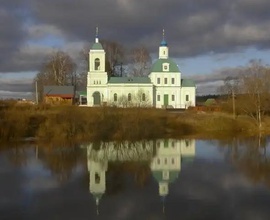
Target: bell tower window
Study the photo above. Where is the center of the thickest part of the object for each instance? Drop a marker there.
(97, 64)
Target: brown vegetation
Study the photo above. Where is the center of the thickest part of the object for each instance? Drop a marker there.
(72, 123)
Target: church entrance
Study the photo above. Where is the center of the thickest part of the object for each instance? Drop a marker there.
(96, 97)
(166, 100)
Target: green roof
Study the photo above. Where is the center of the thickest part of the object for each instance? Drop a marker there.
(97, 46)
(158, 175)
(157, 66)
(131, 80)
(187, 159)
(83, 93)
(97, 195)
(209, 102)
(187, 83)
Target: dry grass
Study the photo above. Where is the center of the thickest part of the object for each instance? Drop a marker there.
(72, 123)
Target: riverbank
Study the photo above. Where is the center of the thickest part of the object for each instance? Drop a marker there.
(72, 123)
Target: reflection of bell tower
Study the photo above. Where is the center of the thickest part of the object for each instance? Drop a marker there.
(166, 165)
(97, 77)
(97, 175)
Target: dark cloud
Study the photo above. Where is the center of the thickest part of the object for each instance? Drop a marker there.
(192, 27)
(12, 31)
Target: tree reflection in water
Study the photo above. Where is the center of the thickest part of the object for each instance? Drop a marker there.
(251, 156)
(61, 161)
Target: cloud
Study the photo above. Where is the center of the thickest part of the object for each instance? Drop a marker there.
(192, 28)
(32, 29)
(16, 88)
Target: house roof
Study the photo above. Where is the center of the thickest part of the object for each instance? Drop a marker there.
(58, 90)
(131, 80)
(157, 66)
(187, 83)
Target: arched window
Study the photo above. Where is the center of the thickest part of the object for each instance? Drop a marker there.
(143, 97)
(129, 97)
(97, 64)
(115, 97)
(97, 178)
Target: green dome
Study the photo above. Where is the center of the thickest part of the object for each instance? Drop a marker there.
(97, 195)
(157, 66)
(158, 175)
(97, 46)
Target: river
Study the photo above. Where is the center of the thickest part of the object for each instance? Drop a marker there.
(157, 179)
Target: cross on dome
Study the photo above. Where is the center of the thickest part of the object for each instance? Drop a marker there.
(163, 42)
(96, 34)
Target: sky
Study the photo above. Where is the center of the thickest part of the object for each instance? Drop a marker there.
(208, 39)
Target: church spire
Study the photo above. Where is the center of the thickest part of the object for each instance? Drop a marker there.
(97, 205)
(163, 42)
(163, 48)
(96, 34)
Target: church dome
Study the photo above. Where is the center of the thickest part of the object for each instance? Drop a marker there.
(163, 43)
(173, 175)
(158, 66)
(97, 46)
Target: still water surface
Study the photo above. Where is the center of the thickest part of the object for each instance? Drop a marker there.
(161, 179)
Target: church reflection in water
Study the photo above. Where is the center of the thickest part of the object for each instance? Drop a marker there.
(165, 158)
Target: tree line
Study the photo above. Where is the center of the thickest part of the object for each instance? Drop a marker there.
(61, 69)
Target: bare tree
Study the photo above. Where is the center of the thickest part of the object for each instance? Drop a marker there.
(140, 61)
(60, 69)
(231, 87)
(114, 57)
(255, 86)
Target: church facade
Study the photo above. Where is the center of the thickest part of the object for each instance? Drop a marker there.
(162, 88)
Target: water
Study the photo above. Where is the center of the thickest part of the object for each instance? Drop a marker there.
(162, 179)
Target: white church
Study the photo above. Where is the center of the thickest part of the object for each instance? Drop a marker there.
(162, 88)
(166, 158)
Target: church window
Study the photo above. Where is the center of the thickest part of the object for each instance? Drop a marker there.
(165, 176)
(187, 98)
(172, 80)
(158, 80)
(165, 161)
(165, 80)
(158, 161)
(143, 97)
(158, 97)
(99, 82)
(187, 143)
(97, 178)
(115, 97)
(166, 143)
(173, 98)
(97, 64)
(94, 82)
(129, 97)
(173, 144)
(165, 67)
(172, 160)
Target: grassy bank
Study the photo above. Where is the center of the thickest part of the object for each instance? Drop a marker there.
(71, 123)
